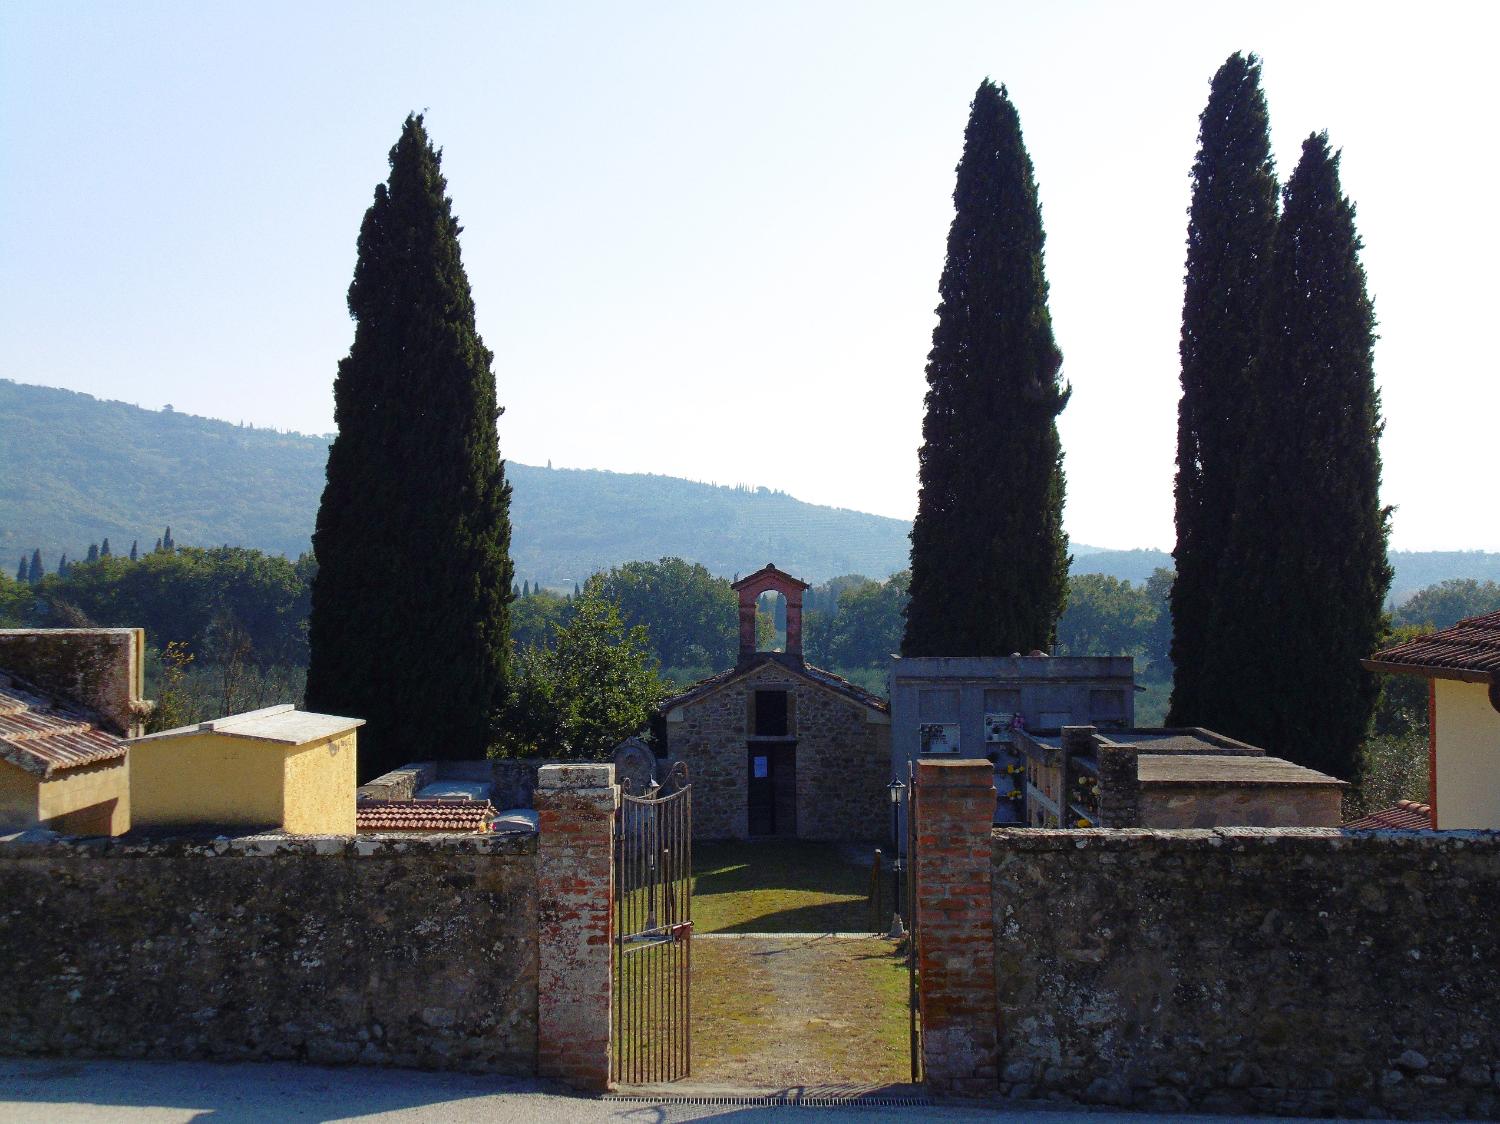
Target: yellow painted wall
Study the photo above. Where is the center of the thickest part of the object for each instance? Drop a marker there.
(320, 787)
(92, 800)
(206, 778)
(1468, 756)
(17, 797)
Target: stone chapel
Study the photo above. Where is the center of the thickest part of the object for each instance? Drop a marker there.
(777, 748)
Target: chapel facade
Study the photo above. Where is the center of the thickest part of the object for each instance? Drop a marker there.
(775, 747)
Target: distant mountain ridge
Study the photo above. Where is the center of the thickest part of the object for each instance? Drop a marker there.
(77, 469)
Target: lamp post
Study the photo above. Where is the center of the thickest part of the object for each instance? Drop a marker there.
(897, 792)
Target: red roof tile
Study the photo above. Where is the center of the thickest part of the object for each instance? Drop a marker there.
(424, 815)
(1407, 815)
(1468, 650)
(44, 734)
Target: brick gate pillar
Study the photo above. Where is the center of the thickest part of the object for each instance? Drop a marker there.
(575, 807)
(955, 809)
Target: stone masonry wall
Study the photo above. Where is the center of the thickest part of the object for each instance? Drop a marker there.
(94, 667)
(410, 951)
(1241, 970)
(843, 759)
(1207, 805)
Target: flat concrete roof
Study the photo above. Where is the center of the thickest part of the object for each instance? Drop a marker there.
(1226, 769)
(282, 725)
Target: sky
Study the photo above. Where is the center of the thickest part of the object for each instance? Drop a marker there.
(704, 239)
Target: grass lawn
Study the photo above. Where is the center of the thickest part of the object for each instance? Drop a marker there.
(779, 1011)
(784, 887)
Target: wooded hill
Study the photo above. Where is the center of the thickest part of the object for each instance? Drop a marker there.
(77, 470)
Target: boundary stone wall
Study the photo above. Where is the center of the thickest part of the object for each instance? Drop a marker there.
(396, 950)
(1238, 970)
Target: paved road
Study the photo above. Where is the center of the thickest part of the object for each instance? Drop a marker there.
(66, 1091)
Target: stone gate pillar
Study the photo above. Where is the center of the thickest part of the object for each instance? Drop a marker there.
(955, 809)
(575, 807)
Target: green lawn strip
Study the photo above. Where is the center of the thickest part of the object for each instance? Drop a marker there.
(779, 887)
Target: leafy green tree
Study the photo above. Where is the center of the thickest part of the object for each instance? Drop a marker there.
(1158, 644)
(424, 662)
(17, 601)
(866, 630)
(534, 619)
(578, 697)
(1446, 603)
(1305, 575)
(989, 558)
(1231, 225)
(1105, 617)
(690, 615)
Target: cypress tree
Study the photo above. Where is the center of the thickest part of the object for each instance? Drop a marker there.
(21, 570)
(526, 589)
(1305, 575)
(1232, 221)
(36, 571)
(157, 548)
(166, 541)
(989, 558)
(93, 555)
(424, 662)
(133, 553)
(62, 565)
(104, 549)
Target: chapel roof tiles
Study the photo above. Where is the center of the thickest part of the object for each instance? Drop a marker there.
(45, 734)
(817, 675)
(1406, 815)
(1468, 650)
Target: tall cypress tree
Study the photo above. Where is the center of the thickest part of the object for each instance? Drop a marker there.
(989, 559)
(134, 553)
(21, 570)
(1232, 222)
(36, 571)
(415, 486)
(104, 549)
(1305, 575)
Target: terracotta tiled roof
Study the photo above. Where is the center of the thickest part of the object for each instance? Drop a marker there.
(1468, 650)
(44, 734)
(424, 815)
(1407, 815)
(806, 670)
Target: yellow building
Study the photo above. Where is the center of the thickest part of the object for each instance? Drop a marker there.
(279, 768)
(59, 768)
(1462, 668)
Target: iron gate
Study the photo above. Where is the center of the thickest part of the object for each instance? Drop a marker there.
(653, 950)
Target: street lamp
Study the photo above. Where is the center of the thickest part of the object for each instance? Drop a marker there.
(897, 792)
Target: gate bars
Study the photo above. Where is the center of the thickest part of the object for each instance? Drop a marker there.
(653, 951)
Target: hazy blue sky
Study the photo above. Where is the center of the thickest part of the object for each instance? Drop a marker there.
(705, 239)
